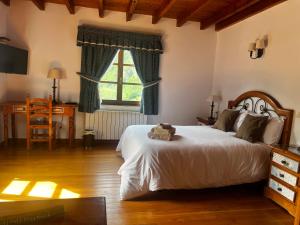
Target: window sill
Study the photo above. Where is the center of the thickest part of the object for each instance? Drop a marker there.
(120, 108)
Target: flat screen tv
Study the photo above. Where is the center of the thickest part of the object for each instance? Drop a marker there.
(13, 60)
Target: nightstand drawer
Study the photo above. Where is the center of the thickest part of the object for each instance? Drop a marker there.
(284, 191)
(282, 175)
(286, 162)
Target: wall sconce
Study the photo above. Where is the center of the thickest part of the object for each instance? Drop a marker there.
(256, 49)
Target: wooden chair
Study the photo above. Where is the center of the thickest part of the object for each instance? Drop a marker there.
(39, 118)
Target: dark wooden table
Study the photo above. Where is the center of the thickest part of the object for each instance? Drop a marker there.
(80, 211)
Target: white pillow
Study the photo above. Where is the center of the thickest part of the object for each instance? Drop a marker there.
(238, 122)
(273, 131)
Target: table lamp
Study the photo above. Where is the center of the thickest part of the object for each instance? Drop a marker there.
(213, 99)
(54, 74)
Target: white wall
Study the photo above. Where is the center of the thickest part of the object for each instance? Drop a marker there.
(277, 73)
(3, 31)
(3, 19)
(186, 65)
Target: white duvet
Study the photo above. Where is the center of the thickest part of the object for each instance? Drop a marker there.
(198, 157)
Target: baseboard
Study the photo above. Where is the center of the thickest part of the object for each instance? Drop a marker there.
(98, 142)
(108, 142)
(64, 141)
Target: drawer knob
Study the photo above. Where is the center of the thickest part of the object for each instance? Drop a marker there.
(281, 175)
(279, 189)
(284, 162)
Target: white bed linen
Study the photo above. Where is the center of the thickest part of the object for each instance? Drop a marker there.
(198, 157)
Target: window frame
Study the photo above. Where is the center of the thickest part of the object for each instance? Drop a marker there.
(120, 84)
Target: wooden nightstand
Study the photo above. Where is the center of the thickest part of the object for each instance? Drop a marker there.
(283, 185)
(205, 122)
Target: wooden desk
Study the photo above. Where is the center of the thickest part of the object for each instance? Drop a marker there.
(79, 211)
(14, 108)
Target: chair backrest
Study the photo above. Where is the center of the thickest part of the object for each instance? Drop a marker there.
(39, 109)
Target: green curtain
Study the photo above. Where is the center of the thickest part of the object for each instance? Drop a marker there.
(147, 67)
(99, 47)
(95, 60)
(89, 35)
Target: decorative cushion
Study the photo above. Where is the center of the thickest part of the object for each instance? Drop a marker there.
(238, 122)
(226, 120)
(273, 131)
(252, 128)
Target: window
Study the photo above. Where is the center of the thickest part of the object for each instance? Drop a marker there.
(121, 85)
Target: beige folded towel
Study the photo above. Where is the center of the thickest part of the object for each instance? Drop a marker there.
(162, 132)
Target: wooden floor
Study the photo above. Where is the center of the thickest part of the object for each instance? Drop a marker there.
(94, 173)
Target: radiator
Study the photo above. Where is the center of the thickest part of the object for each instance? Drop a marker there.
(109, 125)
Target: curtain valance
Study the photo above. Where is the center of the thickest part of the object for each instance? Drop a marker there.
(88, 35)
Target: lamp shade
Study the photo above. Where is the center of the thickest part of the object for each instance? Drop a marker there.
(260, 44)
(54, 73)
(252, 47)
(214, 98)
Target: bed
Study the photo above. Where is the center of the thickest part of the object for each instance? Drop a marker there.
(199, 156)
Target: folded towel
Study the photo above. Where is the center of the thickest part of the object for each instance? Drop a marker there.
(162, 132)
(166, 137)
(168, 127)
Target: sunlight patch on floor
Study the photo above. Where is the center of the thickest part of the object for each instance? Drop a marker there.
(39, 189)
(44, 189)
(16, 187)
(68, 194)
(6, 200)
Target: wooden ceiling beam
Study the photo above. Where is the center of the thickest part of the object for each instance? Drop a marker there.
(184, 18)
(130, 9)
(101, 8)
(227, 12)
(246, 13)
(6, 2)
(70, 5)
(40, 4)
(162, 11)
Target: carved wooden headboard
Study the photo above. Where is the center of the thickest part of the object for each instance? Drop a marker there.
(262, 103)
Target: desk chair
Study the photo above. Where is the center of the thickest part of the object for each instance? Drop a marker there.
(39, 118)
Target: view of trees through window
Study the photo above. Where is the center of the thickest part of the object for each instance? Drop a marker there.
(121, 85)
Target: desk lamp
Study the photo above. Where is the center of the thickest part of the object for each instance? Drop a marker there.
(54, 74)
